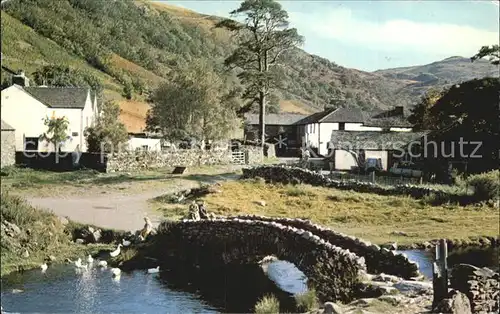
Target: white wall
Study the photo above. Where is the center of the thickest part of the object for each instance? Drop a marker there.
(345, 160)
(360, 127)
(23, 113)
(138, 142)
(321, 133)
(26, 114)
(401, 129)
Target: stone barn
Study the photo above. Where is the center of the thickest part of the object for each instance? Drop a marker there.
(8, 148)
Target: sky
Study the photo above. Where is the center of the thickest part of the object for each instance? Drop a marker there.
(372, 35)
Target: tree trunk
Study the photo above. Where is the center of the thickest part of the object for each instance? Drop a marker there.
(262, 122)
(263, 68)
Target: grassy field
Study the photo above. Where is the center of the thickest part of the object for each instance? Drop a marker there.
(42, 234)
(369, 216)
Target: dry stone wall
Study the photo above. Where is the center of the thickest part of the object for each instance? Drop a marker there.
(377, 260)
(141, 160)
(8, 149)
(480, 285)
(333, 271)
(295, 175)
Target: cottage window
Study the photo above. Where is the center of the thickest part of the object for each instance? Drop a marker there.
(145, 147)
(342, 126)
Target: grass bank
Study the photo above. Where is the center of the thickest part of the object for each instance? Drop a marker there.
(376, 218)
(39, 233)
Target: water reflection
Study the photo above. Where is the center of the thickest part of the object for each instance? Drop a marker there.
(60, 290)
(479, 257)
(287, 276)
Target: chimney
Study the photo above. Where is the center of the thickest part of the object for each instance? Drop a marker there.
(329, 107)
(20, 79)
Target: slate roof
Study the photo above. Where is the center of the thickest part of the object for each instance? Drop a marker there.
(6, 127)
(60, 97)
(373, 139)
(392, 117)
(274, 118)
(349, 115)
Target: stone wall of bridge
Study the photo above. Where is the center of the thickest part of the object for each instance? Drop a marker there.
(378, 260)
(333, 271)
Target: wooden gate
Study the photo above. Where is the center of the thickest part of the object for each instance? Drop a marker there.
(238, 157)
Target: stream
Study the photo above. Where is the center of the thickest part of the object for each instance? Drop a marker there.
(63, 290)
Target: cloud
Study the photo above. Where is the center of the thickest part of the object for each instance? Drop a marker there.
(394, 35)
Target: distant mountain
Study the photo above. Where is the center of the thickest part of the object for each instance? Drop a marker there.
(146, 42)
(439, 74)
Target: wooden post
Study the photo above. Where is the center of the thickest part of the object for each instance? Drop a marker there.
(373, 176)
(440, 273)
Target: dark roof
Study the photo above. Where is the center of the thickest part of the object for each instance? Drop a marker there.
(349, 115)
(373, 139)
(274, 118)
(60, 97)
(396, 117)
(313, 118)
(6, 126)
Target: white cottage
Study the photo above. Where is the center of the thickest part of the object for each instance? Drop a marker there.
(24, 107)
(316, 130)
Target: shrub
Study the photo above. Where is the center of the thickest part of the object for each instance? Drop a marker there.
(269, 304)
(486, 185)
(307, 301)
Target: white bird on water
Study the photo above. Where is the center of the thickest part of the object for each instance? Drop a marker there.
(115, 252)
(116, 272)
(102, 264)
(125, 242)
(90, 260)
(154, 270)
(44, 267)
(78, 264)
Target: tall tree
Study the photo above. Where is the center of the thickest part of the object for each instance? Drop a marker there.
(492, 52)
(263, 37)
(421, 116)
(193, 104)
(108, 133)
(57, 131)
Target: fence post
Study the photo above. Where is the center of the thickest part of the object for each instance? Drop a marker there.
(440, 273)
(372, 174)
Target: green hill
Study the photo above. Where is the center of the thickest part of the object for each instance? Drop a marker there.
(143, 43)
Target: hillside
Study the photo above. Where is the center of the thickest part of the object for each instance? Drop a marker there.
(143, 43)
(441, 73)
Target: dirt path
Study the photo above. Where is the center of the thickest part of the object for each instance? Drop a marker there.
(116, 210)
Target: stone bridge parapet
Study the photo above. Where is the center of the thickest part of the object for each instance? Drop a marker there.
(332, 270)
(378, 260)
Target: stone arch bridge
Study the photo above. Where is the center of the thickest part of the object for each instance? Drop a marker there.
(331, 261)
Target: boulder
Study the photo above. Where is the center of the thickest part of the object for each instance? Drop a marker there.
(331, 308)
(456, 303)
